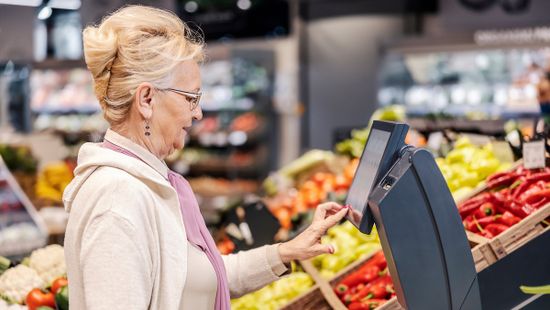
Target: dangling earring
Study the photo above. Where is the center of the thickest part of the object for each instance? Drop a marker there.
(147, 132)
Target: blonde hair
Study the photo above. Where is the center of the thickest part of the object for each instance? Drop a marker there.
(133, 45)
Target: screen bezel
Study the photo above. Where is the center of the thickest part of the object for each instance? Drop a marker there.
(363, 219)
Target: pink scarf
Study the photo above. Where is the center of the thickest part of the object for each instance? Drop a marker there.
(195, 227)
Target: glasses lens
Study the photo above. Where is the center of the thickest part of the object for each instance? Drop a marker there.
(194, 103)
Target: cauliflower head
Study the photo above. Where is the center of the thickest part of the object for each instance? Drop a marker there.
(17, 282)
(49, 262)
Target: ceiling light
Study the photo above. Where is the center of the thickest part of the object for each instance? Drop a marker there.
(244, 4)
(191, 6)
(45, 13)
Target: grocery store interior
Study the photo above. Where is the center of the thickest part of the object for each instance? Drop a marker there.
(292, 90)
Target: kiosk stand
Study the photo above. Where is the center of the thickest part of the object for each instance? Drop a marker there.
(401, 189)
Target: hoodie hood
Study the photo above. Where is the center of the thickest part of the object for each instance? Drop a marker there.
(92, 156)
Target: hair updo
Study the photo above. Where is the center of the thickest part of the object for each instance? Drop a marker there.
(136, 44)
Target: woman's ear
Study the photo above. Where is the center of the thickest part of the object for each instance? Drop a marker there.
(144, 100)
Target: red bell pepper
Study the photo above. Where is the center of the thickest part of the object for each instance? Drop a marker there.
(496, 229)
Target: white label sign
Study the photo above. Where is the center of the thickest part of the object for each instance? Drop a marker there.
(534, 154)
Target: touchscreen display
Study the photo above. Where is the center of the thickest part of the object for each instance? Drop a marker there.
(366, 173)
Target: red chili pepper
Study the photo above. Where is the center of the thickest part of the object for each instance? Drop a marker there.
(368, 304)
(496, 229)
(496, 176)
(531, 189)
(541, 203)
(503, 181)
(518, 209)
(487, 234)
(363, 275)
(467, 222)
(535, 197)
(508, 219)
(359, 306)
(544, 176)
(469, 207)
(377, 259)
(382, 281)
(487, 220)
(471, 224)
(346, 299)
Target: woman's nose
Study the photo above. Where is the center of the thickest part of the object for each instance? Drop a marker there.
(198, 114)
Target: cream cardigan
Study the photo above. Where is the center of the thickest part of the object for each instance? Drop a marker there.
(125, 243)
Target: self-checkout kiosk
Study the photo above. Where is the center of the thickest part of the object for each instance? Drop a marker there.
(401, 190)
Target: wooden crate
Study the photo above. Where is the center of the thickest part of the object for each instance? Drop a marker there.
(483, 256)
(512, 238)
(509, 240)
(327, 286)
(392, 304)
(312, 299)
(519, 234)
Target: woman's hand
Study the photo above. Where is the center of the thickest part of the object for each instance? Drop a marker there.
(308, 244)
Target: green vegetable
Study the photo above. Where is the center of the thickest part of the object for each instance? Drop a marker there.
(4, 264)
(62, 298)
(545, 289)
(25, 261)
(45, 308)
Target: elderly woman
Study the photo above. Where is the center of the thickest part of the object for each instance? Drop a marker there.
(135, 237)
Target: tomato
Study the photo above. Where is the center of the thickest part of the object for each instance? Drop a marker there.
(37, 298)
(58, 284)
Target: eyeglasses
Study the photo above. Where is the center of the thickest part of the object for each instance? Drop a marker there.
(193, 98)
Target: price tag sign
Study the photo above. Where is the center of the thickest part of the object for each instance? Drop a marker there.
(534, 154)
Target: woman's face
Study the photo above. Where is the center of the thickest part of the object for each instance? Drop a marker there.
(172, 115)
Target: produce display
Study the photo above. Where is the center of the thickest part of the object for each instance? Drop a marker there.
(52, 181)
(39, 280)
(276, 294)
(351, 245)
(286, 177)
(367, 287)
(18, 158)
(354, 146)
(467, 165)
(315, 189)
(511, 196)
